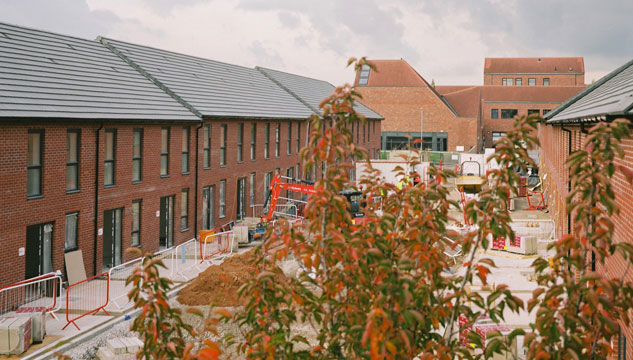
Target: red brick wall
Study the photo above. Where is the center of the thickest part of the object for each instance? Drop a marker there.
(573, 79)
(16, 212)
(553, 154)
(401, 108)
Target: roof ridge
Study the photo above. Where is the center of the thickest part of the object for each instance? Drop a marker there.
(440, 96)
(46, 31)
(587, 90)
(289, 73)
(292, 93)
(462, 90)
(151, 78)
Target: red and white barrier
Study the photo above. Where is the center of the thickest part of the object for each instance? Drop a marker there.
(87, 297)
(39, 292)
(216, 246)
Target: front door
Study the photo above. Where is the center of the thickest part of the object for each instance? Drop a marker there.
(241, 198)
(112, 247)
(208, 201)
(38, 252)
(166, 222)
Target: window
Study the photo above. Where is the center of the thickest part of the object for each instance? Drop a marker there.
(251, 188)
(357, 131)
(72, 160)
(545, 81)
(364, 75)
(364, 132)
(206, 145)
(253, 140)
(518, 81)
(374, 126)
(352, 130)
(534, 111)
(506, 81)
(110, 145)
(222, 198)
(494, 113)
(136, 223)
(545, 111)
(277, 171)
(34, 167)
(531, 81)
(508, 113)
(70, 242)
(298, 137)
(184, 209)
(240, 142)
(268, 178)
(266, 142)
(137, 156)
(208, 204)
(164, 152)
(277, 134)
(290, 174)
(496, 136)
(289, 141)
(185, 150)
(223, 145)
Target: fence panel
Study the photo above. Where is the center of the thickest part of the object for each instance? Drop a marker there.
(118, 276)
(87, 297)
(216, 246)
(39, 292)
(186, 260)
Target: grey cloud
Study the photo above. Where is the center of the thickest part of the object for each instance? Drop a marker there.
(165, 7)
(265, 57)
(69, 17)
(289, 19)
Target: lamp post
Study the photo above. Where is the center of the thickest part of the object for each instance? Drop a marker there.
(421, 131)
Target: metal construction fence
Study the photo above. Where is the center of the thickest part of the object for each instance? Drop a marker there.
(87, 297)
(216, 246)
(43, 291)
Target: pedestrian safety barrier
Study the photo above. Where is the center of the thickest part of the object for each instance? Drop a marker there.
(43, 291)
(216, 246)
(118, 276)
(87, 297)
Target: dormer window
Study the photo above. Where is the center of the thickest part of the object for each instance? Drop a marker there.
(364, 75)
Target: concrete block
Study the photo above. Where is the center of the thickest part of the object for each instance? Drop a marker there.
(38, 321)
(105, 354)
(131, 345)
(138, 341)
(116, 346)
(15, 334)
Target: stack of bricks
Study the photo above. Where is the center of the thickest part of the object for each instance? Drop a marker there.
(120, 349)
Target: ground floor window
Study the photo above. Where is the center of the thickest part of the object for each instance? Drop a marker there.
(432, 141)
(496, 135)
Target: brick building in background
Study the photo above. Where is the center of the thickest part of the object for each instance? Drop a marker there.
(106, 145)
(466, 117)
(565, 131)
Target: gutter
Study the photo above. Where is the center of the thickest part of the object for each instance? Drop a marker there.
(96, 208)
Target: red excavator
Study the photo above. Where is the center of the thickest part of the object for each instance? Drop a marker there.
(279, 183)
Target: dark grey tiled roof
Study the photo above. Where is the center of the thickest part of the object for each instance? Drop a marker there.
(610, 96)
(46, 75)
(213, 88)
(311, 91)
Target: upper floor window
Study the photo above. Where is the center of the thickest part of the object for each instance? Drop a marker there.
(109, 159)
(364, 75)
(223, 145)
(545, 81)
(545, 111)
(298, 137)
(206, 145)
(508, 113)
(72, 160)
(253, 140)
(531, 81)
(277, 134)
(185, 149)
(534, 111)
(34, 165)
(164, 151)
(289, 140)
(240, 142)
(267, 142)
(137, 155)
(494, 113)
(506, 81)
(518, 81)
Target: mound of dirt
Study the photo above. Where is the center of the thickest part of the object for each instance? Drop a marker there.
(218, 284)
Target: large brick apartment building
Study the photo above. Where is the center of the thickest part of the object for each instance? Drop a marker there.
(466, 117)
(565, 131)
(105, 145)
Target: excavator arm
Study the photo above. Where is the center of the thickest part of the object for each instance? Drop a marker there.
(276, 186)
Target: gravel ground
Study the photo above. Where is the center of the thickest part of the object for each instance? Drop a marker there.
(88, 349)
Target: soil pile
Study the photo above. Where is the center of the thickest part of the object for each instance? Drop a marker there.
(219, 284)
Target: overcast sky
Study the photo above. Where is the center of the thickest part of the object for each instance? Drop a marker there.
(444, 40)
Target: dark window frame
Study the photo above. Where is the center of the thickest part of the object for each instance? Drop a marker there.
(75, 163)
(186, 145)
(136, 231)
(39, 167)
(289, 140)
(518, 81)
(267, 142)
(252, 178)
(253, 141)
(222, 199)
(546, 80)
(531, 81)
(277, 139)
(534, 111)
(240, 142)
(494, 113)
(508, 113)
(206, 147)
(137, 159)
(76, 244)
(164, 153)
(298, 137)
(111, 161)
(184, 210)
(223, 131)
